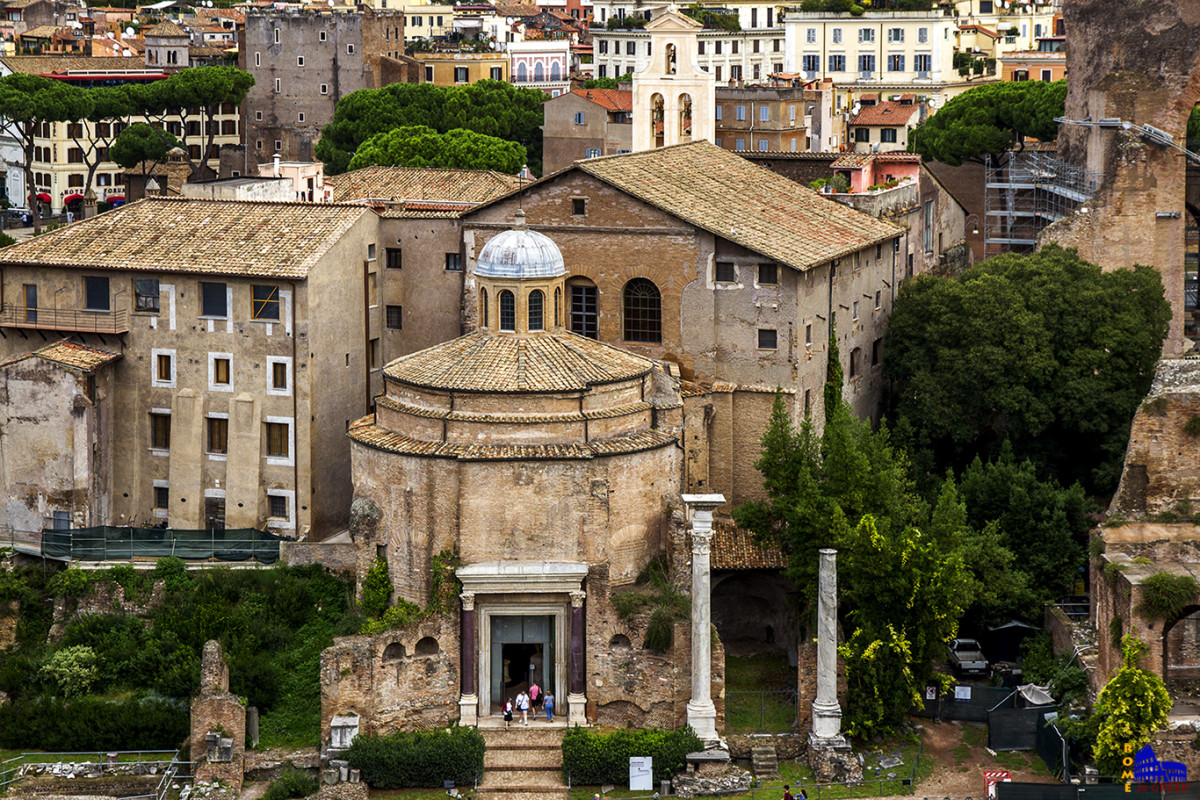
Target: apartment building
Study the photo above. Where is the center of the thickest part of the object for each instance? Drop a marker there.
(428, 22)
(586, 123)
(541, 64)
(761, 118)
(303, 61)
(1018, 23)
(64, 150)
(883, 127)
(245, 331)
(455, 68)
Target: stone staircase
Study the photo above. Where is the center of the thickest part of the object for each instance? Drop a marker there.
(764, 762)
(522, 764)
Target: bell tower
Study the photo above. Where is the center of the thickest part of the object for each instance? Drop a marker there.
(673, 98)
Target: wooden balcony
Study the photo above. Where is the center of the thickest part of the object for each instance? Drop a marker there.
(64, 319)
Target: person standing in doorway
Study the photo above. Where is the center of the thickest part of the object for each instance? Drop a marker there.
(523, 707)
(548, 704)
(508, 706)
(535, 697)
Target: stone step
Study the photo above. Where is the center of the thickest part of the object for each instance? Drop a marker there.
(521, 736)
(521, 793)
(522, 757)
(539, 778)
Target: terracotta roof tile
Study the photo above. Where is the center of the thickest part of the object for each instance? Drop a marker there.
(853, 160)
(46, 31)
(404, 183)
(541, 362)
(366, 432)
(277, 240)
(45, 65)
(884, 114)
(166, 28)
(69, 354)
(611, 99)
(735, 548)
(731, 197)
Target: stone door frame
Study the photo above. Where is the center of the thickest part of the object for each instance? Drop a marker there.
(497, 606)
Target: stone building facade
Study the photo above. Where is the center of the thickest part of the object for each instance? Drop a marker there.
(304, 61)
(218, 736)
(244, 329)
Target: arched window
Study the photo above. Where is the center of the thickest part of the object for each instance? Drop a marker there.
(670, 59)
(522, 73)
(656, 119)
(557, 304)
(539, 72)
(537, 302)
(685, 115)
(555, 72)
(508, 311)
(643, 312)
(483, 307)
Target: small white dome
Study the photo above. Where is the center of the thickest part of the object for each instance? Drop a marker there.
(520, 253)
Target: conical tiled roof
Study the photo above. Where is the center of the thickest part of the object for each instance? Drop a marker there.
(166, 30)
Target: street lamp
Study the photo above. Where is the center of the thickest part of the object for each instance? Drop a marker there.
(975, 225)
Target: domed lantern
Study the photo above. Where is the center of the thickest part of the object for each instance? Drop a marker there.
(521, 279)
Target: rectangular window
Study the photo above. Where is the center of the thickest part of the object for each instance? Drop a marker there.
(160, 431)
(878, 299)
(453, 262)
(213, 300)
(756, 46)
(862, 134)
(725, 271)
(278, 445)
(922, 35)
(764, 114)
(718, 113)
(278, 85)
(1047, 76)
(811, 63)
(895, 34)
(808, 335)
(718, 74)
(923, 62)
(584, 314)
(754, 18)
(768, 273)
(733, 47)
(220, 371)
(578, 206)
(324, 88)
(810, 35)
(579, 117)
(299, 61)
(373, 353)
(371, 251)
(497, 74)
(258, 59)
(895, 63)
(395, 318)
(95, 294)
(277, 36)
(162, 497)
(164, 368)
(866, 63)
(461, 75)
(837, 63)
(888, 135)
(592, 152)
(741, 113)
(762, 145)
(854, 310)
(717, 46)
(145, 295)
(767, 339)
(264, 302)
(321, 36)
(429, 74)
(866, 35)
(277, 506)
(855, 359)
(279, 376)
(350, 49)
(837, 35)
(739, 144)
(395, 258)
(928, 226)
(604, 47)
(218, 436)
(985, 7)
(807, 401)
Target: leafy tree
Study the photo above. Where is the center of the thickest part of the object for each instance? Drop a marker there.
(1130, 707)
(1045, 350)
(73, 669)
(418, 146)
(990, 120)
(112, 107)
(493, 108)
(377, 589)
(27, 101)
(141, 143)
(608, 83)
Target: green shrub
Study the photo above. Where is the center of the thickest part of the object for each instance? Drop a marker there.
(596, 758)
(93, 723)
(73, 669)
(1164, 596)
(419, 758)
(660, 630)
(629, 603)
(71, 582)
(397, 616)
(1116, 630)
(1192, 427)
(291, 784)
(376, 589)
(173, 572)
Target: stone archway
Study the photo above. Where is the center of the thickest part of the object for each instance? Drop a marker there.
(1181, 648)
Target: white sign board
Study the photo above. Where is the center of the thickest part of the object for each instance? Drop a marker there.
(641, 774)
(962, 694)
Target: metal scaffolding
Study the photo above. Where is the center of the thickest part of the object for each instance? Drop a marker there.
(1024, 193)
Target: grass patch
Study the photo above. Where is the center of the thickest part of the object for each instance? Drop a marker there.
(760, 694)
(586, 792)
(799, 776)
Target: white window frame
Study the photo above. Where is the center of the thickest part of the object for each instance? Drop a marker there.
(321, 35)
(282, 523)
(324, 88)
(258, 59)
(216, 415)
(161, 513)
(837, 35)
(299, 61)
(213, 386)
(277, 36)
(161, 451)
(271, 362)
(154, 380)
(279, 461)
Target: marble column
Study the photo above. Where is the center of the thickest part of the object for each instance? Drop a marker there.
(468, 703)
(701, 713)
(577, 698)
(827, 714)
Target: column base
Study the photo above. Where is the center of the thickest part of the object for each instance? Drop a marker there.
(702, 716)
(832, 760)
(826, 721)
(468, 710)
(577, 710)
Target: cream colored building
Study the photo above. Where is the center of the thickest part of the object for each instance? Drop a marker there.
(457, 68)
(246, 330)
(428, 21)
(1019, 24)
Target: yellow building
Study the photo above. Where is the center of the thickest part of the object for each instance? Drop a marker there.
(428, 22)
(452, 69)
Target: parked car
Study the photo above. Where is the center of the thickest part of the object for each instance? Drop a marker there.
(967, 658)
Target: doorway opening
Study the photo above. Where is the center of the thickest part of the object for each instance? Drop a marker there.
(522, 653)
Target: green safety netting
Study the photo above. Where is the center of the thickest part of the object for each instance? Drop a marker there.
(107, 543)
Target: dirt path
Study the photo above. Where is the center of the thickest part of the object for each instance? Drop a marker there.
(958, 751)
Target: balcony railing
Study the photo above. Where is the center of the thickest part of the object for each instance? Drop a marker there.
(64, 319)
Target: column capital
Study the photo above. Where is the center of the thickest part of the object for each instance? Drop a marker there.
(701, 541)
(577, 598)
(468, 601)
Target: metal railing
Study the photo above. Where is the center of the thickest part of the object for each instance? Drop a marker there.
(63, 319)
(761, 712)
(13, 770)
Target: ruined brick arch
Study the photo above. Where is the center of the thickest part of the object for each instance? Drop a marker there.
(1184, 643)
(632, 640)
(620, 642)
(394, 652)
(427, 646)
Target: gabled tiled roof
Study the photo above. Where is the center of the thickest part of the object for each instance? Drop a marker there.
(611, 99)
(44, 65)
(727, 195)
(366, 432)
(69, 354)
(853, 160)
(735, 548)
(406, 183)
(884, 114)
(46, 31)
(276, 240)
(540, 362)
